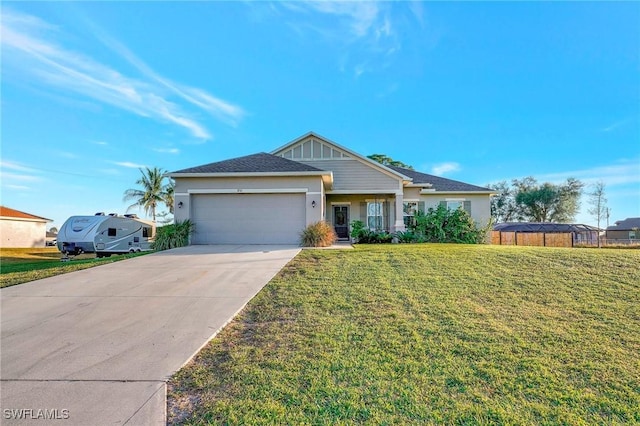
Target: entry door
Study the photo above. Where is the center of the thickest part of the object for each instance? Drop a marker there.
(341, 221)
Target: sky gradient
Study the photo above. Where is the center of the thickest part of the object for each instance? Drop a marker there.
(477, 92)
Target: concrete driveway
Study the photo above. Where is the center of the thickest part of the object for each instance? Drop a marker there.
(96, 347)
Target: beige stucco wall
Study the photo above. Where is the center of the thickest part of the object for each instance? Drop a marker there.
(354, 202)
(22, 233)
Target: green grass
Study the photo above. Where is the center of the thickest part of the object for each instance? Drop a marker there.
(18, 266)
(428, 334)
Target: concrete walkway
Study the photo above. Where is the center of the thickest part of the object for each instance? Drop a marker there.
(96, 347)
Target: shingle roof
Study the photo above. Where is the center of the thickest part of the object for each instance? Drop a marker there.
(8, 212)
(438, 183)
(542, 227)
(255, 163)
(625, 225)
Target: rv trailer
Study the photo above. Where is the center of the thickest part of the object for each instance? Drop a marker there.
(105, 235)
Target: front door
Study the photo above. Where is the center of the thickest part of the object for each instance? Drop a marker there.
(341, 221)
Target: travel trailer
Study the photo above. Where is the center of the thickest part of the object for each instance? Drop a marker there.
(105, 235)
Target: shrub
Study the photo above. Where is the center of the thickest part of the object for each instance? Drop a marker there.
(441, 225)
(319, 234)
(172, 236)
(407, 237)
(363, 235)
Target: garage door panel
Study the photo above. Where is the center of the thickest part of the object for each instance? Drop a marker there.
(247, 218)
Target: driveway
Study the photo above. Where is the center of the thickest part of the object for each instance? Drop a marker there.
(96, 347)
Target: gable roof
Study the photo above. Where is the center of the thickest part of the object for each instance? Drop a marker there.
(255, 163)
(7, 212)
(438, 183)
(351, 153)
(625, 225)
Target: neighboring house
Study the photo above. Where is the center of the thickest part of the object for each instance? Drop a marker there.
(271, 198)
(627, 230)
(20, 229)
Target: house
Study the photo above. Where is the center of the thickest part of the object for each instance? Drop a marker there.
(271, 197)
(20, 229)
(627, 231)
(545, 234)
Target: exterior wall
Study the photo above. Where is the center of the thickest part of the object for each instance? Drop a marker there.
(480, 203)
(311, 185)
(355, 210)
(22, 233)
(353, 175)
(620, 235)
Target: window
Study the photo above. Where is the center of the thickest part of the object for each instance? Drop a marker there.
(409, 209)
(136, 239)
(146, 232)
(632, 235)
(374, 215)
(452, 205)
(111, 232)
(457, 204)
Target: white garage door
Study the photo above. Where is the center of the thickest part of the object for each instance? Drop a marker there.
(248, 218)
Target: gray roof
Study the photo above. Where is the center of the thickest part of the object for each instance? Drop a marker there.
(255, 163)
(437, 182)
(543, 227)
(625, 225)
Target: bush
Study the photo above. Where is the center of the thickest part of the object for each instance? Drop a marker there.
(319, 234)
(441, 225)
(172, 236)
(363, 235)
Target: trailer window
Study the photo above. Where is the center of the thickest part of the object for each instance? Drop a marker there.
(146, 232)
(111, 232)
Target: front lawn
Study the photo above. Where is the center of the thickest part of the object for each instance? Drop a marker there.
(428, 334)
(20, 265)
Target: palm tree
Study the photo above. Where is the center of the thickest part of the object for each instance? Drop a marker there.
(153, 191)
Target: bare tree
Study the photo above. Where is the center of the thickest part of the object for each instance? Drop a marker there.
(598, 203)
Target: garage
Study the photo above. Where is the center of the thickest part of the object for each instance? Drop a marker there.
(271, 218)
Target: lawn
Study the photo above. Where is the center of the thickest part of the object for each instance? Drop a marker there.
(428, 334)
(20, 265)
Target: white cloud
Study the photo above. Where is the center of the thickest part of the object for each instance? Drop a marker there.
(18, 187)
(365, 28)
(28, 43)
(623, 172)
(15, 166)
(129, 164)
(19, 177)
(444, 168)
(101, 143)
(167, 150)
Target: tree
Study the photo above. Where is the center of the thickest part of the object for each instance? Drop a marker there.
(598, 203)
(548, 202)
(53, 230)
(527, 200)
(503, 204)
(388, 161)
(153, 191)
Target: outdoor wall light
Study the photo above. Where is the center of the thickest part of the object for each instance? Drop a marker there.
(313, 204)
(180, 204)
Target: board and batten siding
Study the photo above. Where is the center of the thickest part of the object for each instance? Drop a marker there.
(353, 175)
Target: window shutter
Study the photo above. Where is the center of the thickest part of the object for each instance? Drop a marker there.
(363, 213)
(467, 207)
(385, 215)
(421, 206)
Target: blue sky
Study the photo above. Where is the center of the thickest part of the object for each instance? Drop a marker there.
(477, 92)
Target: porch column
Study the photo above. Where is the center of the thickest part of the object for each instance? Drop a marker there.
(399, 223)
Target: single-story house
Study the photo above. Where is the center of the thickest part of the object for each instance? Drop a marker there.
(627, 230)
(544, 234)
(271, 197)
(20, 229)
